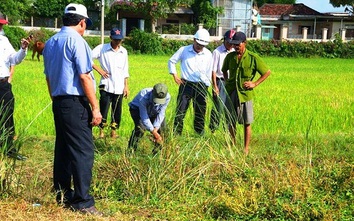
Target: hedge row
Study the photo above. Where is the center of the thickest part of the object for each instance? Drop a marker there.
(140, 42)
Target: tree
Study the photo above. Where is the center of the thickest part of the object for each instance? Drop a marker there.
(15, 10)
(262, 2)
(206, 13)
(153, 9)
(339, 3)
(51, 8)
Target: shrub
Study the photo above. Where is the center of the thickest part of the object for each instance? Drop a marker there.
(42, 34)
(15, 34)
(143, 42)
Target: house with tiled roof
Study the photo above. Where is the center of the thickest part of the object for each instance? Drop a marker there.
(236, 14)
(298, 21)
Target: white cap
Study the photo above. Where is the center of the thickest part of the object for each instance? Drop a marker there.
(202, 36)
(78, 9)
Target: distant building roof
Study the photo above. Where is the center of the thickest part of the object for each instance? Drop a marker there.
(286, 9)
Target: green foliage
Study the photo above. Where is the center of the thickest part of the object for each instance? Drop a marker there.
(330, 49)
(150, 9)
(51, 8)
(206, 13)
(42, 34)
(16, 10)
(15, 34)
(145, 43)
(171, 46)
(338, 3)
(94, 41)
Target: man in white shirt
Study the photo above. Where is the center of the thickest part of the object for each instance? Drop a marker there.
(8, 58)
(113, 58)
(196, 63)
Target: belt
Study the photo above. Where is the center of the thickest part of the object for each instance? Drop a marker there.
(74, 97)
(220, 79)
(4, 79)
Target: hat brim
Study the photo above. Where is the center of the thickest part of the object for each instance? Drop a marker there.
(3, 22)
(116, 37)
(159, 100)
(201, 42)
(236, 42)
(88, 22)
(228, 40)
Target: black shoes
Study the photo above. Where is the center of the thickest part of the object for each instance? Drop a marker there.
(16, 156)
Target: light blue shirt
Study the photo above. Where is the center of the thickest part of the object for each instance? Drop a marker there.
(195, 67)
(66, 56)
(147, 108)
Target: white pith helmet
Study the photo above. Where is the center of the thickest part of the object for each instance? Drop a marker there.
(202, 36)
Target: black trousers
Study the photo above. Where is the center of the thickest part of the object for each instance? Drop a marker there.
(139, 129)
(217, 112)
(7, 126)
(74, 151)
(196, 91)
(115, 100)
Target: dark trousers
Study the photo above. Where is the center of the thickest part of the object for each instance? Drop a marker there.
(139, 129)
(115, 100)
(198, 93)
(7, 126)
(217, 112)
(74, 151)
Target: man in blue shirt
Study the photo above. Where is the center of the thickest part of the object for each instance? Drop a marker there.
(68, 70)
(147, 110)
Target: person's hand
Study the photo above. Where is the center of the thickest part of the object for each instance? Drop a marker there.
(177, 79)
(24, 43)
(126, 92)
(159, 140)
(249, 85)
(104, 74)
(96, 117)
(216, 91)
(157, 136)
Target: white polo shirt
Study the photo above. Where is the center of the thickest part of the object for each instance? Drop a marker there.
(115, 63)
(195, 67)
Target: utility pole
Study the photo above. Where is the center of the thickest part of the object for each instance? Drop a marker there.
(102, 21)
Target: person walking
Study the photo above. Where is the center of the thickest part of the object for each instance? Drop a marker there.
(196, 63)
(113, 58)
(148, 109)
(68, 70)
(219, 93)
(8, 59)
(239, 69)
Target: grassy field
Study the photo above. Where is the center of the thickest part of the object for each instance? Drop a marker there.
(300, 165)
